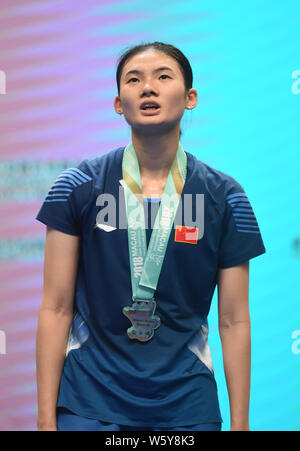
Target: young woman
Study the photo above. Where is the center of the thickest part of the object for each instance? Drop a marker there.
(129, 274)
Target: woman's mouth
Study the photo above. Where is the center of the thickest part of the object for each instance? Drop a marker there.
(149, 108)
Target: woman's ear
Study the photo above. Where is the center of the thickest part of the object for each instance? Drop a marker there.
(118, 105)
(191, 101)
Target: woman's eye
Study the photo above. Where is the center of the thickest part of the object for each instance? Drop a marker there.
(134, 78)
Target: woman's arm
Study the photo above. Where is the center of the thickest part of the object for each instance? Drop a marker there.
(234, 328)
(55, 316)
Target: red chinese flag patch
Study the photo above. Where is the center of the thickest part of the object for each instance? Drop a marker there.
(185, 234)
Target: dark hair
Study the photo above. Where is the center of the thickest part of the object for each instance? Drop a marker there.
(168, 49)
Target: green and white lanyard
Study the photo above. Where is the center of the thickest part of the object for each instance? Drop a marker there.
(145, 265)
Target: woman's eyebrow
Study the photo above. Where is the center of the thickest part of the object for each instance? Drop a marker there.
(138, 72)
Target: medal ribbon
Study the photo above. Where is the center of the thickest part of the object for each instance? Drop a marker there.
(145, 265)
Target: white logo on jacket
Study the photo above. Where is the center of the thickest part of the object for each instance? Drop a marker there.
(105, 227)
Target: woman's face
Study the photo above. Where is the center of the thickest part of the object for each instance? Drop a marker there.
(153, 76)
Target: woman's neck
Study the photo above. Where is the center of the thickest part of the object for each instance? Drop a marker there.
(155, 154)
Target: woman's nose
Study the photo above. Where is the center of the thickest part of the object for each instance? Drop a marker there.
(149, 87)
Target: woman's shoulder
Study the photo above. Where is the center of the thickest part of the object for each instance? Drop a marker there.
(96, 166)
(214, 178)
